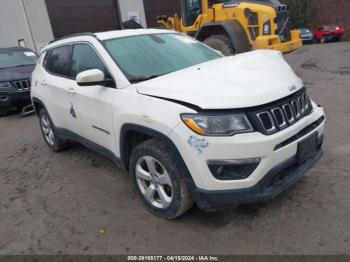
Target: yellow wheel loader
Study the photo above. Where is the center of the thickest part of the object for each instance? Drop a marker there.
(234, 26)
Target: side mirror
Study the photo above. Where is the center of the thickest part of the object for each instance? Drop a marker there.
(93, 77)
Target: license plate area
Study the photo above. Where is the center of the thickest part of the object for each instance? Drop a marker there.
(307, 148)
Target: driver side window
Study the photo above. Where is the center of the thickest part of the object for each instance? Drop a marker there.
(213, 2)
(192, 11)
(85, 58)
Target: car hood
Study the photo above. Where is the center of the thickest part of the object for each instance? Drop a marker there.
(16, 73)
(245, 80)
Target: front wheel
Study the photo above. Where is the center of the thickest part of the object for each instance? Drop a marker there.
(221, 43)
(323, 40)
(159, 180)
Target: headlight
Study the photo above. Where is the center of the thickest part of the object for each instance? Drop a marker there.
(5, 85)
(217, 125)
(267, 28)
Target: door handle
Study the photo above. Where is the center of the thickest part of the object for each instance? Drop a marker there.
(44, 83)
(72, 91)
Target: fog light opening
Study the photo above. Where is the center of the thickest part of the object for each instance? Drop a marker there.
(220, 171)
(233, 169)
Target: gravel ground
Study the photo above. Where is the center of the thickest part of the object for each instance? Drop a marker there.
(78, 202)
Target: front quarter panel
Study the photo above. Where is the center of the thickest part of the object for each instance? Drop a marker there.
(130, 107)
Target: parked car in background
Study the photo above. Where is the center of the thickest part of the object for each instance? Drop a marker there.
(306, 35)
(16, 67)
(328, 33)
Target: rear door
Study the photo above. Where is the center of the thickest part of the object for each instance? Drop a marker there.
(56, 87)
(93, 104)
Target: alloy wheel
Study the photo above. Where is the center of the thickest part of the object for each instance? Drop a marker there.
(154, 182)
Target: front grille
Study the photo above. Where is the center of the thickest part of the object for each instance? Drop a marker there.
(22, 84)
(283, 23)
(279, 115)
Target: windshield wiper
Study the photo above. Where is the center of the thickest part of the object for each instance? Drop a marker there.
(12, 66)
(138, 79)
(23, 65)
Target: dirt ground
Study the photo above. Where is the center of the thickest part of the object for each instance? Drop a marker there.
(78, 202)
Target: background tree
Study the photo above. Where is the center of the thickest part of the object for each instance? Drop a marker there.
(301, 12)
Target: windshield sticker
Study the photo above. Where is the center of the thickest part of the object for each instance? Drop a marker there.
(198, 143)
(29, 54)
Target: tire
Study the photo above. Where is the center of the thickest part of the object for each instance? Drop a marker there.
(221, 43)
(323, 40)
(158, 179)
(48, 131)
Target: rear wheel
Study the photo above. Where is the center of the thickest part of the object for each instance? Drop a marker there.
(48, 131)
(158, 179)
(221, 43)
(323, 40)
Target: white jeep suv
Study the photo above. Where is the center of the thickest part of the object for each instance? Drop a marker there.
(188, 124)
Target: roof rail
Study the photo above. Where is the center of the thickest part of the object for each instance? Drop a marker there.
(73, 35)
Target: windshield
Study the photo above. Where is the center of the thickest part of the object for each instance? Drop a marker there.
(331, 27)
(147, 56)
(304, 31)
(17, 58)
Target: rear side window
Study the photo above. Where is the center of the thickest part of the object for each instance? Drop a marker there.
(57, 61)
(85, 58)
